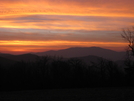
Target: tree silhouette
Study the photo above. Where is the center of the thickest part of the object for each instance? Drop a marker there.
(128, 35)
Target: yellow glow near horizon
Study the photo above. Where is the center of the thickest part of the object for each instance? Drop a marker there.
(19, 47)
(51, 43)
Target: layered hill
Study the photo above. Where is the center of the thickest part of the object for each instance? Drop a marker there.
(23, 57)
(85, 51)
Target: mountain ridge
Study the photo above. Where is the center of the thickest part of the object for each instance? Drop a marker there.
(85, 51)
(70, 53)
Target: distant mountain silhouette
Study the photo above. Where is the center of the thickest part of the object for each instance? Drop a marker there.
(85, 51)
(23, 57)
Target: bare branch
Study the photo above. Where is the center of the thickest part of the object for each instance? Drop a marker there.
(128, 35)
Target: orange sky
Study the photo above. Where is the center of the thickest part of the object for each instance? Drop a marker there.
(32, 26)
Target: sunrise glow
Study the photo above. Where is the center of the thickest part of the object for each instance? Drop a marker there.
(35, 26)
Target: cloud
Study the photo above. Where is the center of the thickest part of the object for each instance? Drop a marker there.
(59, 35)
(61, 27)
(70, 22)
(69, 7)
(64, 22)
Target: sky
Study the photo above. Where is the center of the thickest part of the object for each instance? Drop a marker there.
(42, 25)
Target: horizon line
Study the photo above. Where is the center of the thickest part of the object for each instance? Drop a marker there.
(22, 52)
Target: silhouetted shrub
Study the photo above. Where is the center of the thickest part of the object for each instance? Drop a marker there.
(56, 72)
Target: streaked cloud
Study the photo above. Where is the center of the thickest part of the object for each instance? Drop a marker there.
(31, 25)
(65, 22)
(69, 7)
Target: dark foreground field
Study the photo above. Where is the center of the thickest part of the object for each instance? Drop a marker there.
(89, 94)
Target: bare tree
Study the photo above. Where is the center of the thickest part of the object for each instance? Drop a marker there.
(128, 35)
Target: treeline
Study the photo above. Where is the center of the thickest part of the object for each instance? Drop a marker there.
(56, 72)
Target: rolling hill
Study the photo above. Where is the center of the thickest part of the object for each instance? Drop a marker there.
(4, 62)
(23, 57)
(85, 51)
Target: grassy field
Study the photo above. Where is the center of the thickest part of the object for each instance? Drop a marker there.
(89, 94)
